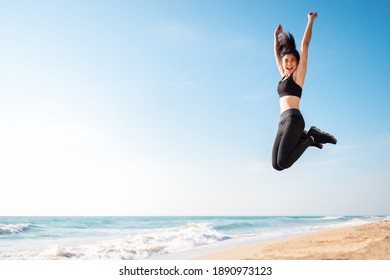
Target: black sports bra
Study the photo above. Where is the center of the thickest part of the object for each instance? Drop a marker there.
(289, 87)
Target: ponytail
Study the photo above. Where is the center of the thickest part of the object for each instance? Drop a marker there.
(287, 45)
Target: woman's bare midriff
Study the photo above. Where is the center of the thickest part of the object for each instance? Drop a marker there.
(289, 102)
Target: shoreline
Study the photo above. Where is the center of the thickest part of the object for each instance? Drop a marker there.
(362, 242)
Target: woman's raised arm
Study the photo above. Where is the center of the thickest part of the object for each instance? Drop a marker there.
(278, 59)
(302, 67)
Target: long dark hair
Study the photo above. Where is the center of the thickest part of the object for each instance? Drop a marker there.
(287, 45)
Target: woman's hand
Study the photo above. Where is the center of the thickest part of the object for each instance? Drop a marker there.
(278, 30)
(312, 15)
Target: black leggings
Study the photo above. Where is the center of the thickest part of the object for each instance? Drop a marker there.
(290, 142)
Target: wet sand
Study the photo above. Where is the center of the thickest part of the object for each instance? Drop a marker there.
(364, 242)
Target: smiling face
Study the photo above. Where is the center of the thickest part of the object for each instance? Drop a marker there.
(289, 63)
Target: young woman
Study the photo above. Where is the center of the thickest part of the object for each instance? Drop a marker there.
(291, 139)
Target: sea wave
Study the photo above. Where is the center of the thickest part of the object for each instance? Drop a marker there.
(136, 239)
(135, 247)
(13, 228)
(333, 218)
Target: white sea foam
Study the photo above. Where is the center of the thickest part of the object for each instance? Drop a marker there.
(135, 239)
(13, 228)
(333, 217)
(133, 247)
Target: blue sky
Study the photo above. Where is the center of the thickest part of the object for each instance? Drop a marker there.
(170, 108)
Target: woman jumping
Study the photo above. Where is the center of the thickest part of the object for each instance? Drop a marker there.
(291, 139)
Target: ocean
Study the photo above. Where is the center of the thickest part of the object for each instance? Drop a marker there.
(142, 238)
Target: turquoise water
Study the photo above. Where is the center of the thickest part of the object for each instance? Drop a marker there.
(148, 237)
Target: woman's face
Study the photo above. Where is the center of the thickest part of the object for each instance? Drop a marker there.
(289, 63)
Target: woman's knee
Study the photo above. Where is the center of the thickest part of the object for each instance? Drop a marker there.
(282, 164)
(276, 166)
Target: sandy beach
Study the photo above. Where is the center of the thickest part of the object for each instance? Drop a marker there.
(364, 242)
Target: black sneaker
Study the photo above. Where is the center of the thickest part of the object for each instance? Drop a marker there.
(320, 136)
(317, 145)
(314, 143)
